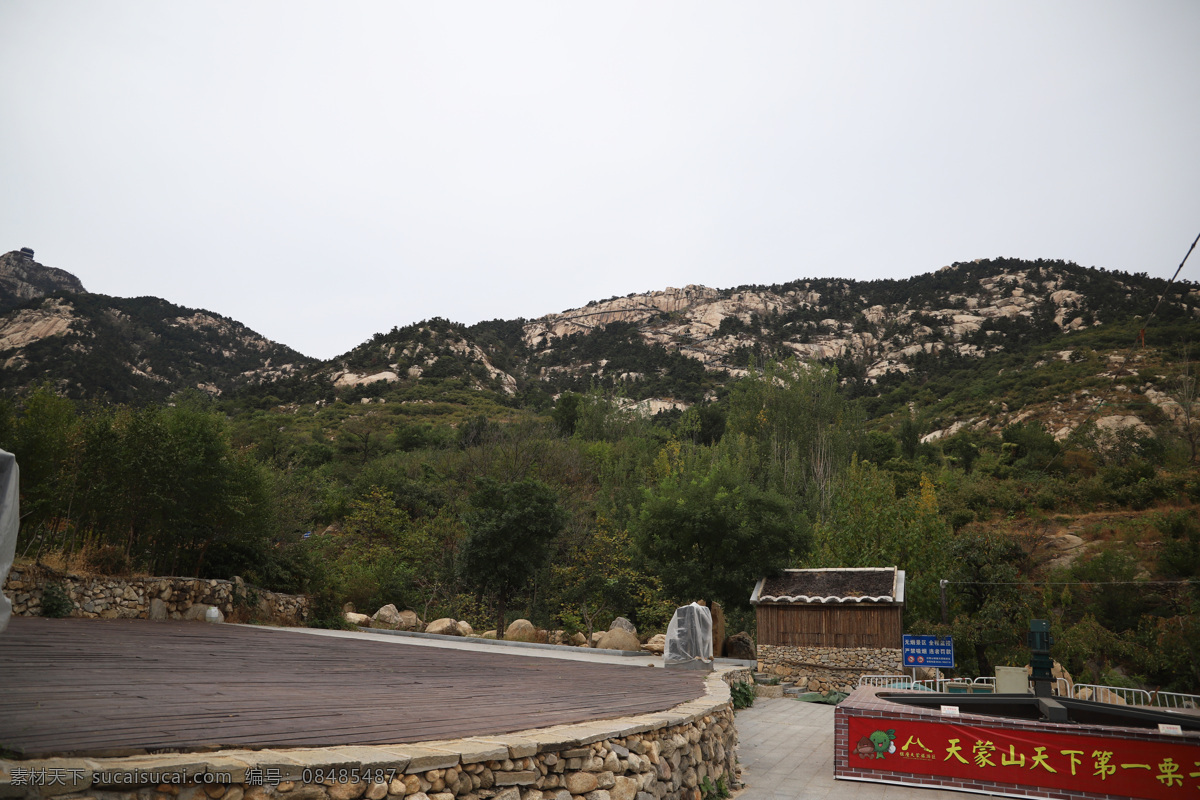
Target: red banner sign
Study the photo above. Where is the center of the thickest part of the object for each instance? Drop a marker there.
(1126, 767)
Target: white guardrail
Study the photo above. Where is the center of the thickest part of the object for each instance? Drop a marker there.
(1062, 687)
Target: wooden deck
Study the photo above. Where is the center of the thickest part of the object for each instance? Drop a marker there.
(82, 686)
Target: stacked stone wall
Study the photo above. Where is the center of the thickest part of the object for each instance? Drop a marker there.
(672, 755)
(151, 598)
(822, 669)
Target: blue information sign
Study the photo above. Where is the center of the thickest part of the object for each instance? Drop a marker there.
(928, 651)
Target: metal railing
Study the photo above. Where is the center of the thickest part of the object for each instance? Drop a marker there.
(1109, 694)
(885, 681)
(1174, 700)
(1062, 688)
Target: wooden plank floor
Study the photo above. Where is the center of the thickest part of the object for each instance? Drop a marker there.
(80, 686)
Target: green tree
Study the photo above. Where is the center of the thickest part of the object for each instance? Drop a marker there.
(869, 526)
(510, 529)
(992, 603)
(566, 413)
(800, 427)
(598, 579)
(711, 534)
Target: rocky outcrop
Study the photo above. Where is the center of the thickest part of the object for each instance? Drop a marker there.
(28, 325)
(883, 331)
(22, 278)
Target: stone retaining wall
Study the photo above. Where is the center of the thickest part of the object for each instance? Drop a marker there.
(820, 669)
(662, 756)
(151, 598)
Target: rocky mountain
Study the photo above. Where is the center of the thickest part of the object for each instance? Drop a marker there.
(874, 328)
(22, 278)
(876, 331)
(664, 349)
(123, 349)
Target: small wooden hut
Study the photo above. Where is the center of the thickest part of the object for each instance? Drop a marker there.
(850, 607)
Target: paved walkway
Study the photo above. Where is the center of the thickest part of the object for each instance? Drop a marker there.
(786, 751)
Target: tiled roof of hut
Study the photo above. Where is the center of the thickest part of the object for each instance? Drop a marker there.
(847, 585)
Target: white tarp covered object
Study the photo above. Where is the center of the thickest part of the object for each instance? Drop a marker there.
(689, 638)
(9, 521)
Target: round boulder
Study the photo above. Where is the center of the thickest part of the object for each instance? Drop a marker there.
(464, 628)
(619, 639)
(361, 620)
(740, 646)
(409, 621)
(656, 644)
(521, 630)
(443, 627)
(386, 617)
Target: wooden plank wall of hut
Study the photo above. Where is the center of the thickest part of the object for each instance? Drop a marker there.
(829, 625)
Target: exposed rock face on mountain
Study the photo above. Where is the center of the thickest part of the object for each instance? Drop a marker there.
(964, 309)
(22, 278)
(433, 349)
(124, 349)
(659, 351)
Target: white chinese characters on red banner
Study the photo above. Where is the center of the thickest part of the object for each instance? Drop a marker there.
(1098, 764)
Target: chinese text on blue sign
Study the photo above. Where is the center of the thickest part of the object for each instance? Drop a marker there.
(928, 651)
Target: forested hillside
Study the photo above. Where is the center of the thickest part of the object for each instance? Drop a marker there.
(1033, 451)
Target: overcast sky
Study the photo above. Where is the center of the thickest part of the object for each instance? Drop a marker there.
(324, 171)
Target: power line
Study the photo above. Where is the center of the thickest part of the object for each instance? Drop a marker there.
(1141, 337)
(1168, 286)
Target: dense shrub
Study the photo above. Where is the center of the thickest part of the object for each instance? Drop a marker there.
(56, 602)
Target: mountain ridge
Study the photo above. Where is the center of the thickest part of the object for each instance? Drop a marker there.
(139, 349)
(670, 348)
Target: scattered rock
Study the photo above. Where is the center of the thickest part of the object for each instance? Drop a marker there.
(361, 620)
(464, 628)
(656, 644)
(623, 624)
(740, 646)
(443, 627)
(409, 621)
(200, 611)
(618, 639)
(579, 640)
(521, 630)
(386, 617)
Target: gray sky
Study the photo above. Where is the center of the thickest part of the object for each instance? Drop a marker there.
(324, 171)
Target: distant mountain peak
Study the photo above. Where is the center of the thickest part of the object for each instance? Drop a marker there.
(22, 279)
